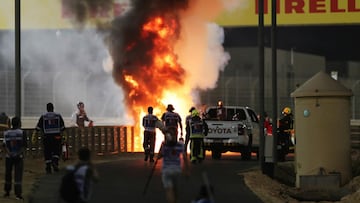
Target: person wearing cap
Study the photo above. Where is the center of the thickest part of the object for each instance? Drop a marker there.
(198, 130)
(51, 125)
(187, 128)
(149, 124)
(172, 120)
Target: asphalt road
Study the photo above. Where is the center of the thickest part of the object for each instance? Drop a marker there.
(124, 181)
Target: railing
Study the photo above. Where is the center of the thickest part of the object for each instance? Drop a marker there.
(101, 140)
(355, 136)
(107, 140)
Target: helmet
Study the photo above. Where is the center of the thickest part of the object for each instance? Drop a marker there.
(195, 113)
(286, 110)
(79, 104)
(191, 109)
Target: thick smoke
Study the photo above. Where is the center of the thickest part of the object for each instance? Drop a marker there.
(132, 50)
(65, 67)
(196, 44)
(83, 8)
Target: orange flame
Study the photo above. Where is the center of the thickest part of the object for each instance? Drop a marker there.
(160, 81)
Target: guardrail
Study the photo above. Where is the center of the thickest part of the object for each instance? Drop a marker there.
(101, 140)
(107, 140)
(355, 136)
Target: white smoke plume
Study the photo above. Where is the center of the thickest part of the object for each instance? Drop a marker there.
(81, 54)
(66, 67)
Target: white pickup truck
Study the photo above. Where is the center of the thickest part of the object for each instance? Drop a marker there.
(238, 131)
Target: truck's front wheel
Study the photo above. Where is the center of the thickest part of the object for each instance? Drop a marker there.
(216, 154)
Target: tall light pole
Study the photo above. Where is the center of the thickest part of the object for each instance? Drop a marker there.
(274, 77)
(17, 58)
(261, 83)
(354, 98)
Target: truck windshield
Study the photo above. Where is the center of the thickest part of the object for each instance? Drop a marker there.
(231, 114)
(253, 116)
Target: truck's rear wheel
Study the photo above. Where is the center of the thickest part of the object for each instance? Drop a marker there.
(215, 154)
(246, 153)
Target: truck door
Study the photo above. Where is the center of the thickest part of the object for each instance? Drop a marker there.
(255, 126)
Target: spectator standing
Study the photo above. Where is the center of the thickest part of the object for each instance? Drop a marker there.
(172, 120)
(51, 125)
(14, 144)
(149, 124)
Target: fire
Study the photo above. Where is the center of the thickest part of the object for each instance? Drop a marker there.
(159, 81)
(146, 45)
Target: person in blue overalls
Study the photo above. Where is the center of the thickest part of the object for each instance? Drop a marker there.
(51, 125)
(14, 145)
(149, 122)
(172, 120)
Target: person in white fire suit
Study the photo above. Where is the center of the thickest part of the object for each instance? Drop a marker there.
(149, 124)
(172, 120)
(221, 111)
(79, 117)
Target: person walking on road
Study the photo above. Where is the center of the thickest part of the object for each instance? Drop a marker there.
(51, 125)
(285, 127)
(198, 130)
(149, 124)
(85, 175)
(14, 146)
(172, 120)
(172, 167)
(187, 128)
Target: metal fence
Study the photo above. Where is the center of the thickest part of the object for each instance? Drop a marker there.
(355, 136)
(101, 140)
(108, 140)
